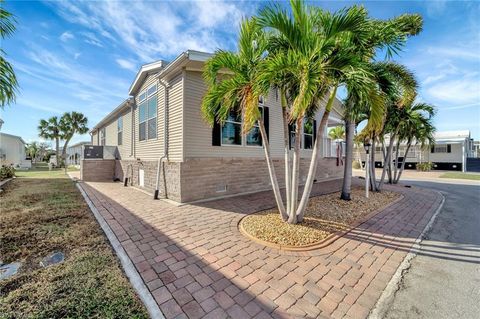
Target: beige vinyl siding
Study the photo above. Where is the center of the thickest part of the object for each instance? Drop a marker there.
(153, 148)
(95, 138)
(125, 149)
(111, 133)
(198, 134)
(175, 119)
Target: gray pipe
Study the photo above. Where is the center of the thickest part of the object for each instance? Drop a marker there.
(161, 159)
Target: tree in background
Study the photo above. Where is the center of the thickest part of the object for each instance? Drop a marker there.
(416, 126)
(32, 150)
(337, 133)
(8, 80)
(50, 130)
(70, 124)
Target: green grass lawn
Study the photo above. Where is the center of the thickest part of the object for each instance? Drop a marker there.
(42, 212)
(459, 175)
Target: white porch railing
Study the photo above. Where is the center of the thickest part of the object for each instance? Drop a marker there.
(329, 147)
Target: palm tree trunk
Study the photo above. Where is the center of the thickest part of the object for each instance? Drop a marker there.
(373, 183)
(271, 171)
(312, 170)
(395, 168)
(387, 159)
(64, 154)
(347, 173)
(286, 144)
(295, 173)
(57, 150)
(403, 163)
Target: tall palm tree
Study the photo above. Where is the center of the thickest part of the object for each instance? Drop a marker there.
(8, 80)
(415, 127)
(369, 103)
(307, 61)
(70, 124)
(235, 91)
(50, 130)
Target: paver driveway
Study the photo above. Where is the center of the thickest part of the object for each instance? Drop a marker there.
(197, 265)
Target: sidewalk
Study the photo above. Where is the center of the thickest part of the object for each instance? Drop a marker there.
(196, 264)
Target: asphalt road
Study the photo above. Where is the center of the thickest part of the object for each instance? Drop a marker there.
(444, 278)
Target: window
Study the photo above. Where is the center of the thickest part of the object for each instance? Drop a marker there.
(120, 131)
(147, 114)
(102, 136)
(231, 131)
(308, 135)
(308, 132)
(441, 148)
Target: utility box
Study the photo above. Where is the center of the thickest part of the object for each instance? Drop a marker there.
(92, 151)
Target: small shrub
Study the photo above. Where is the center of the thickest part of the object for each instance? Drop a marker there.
(425, 167)
(356, 165)
(6, 172)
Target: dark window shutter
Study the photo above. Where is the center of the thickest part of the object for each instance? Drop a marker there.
(216, 138)
(266, 121)
(432, 149)
(290, 130)
(314, 130)
(449, 148)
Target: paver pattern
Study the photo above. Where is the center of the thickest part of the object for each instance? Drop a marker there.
(197, 265)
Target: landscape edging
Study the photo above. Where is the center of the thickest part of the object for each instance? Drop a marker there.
(129, 268)
(330, 239)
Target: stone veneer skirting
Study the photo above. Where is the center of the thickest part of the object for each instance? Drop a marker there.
(97, 170)
(214, 177)
(203, 178)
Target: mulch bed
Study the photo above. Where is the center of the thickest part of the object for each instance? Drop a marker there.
(325, 215)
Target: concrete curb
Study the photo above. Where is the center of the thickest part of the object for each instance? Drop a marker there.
(129, 268)
(381, 307)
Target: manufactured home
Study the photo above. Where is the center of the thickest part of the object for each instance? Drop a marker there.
(12, 151)
(75, 153)
(452, 150)
(164, 146)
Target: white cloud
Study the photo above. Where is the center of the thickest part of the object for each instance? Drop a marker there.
(77, 55)
(462, 90)
(67, 35)
(90, 38)
(127, 64)
(155, 30)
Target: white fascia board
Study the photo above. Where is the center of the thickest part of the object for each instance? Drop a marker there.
(142, 73)
(112, 114)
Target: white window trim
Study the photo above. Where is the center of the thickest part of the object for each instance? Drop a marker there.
(145, 100)
(120, 118)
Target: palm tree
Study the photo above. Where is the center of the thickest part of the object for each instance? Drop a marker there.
(8, 80)
(71, 123)
(234, 91)
(415, 127)
(308, 59)
(50, 130)
(368, 103)
(32, 150)
(337, 133)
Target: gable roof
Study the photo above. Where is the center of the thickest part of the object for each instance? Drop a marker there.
(123, 106)
(13, 136)
(144, 71)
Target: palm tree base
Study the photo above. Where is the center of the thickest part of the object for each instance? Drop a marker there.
(345, 196)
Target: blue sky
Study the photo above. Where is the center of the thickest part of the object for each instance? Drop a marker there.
(83, 56)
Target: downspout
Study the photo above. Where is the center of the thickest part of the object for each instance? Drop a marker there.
(161, 159)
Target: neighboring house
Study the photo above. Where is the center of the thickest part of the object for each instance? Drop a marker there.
(12, 151)
(452, 151)
(164, 144)
(75, 153)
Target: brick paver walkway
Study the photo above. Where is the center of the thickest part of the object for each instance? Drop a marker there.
(197, 265)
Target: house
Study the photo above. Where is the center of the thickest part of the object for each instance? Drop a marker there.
(75, 153)
(164, 146)
(453, 150)
(12, 151)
